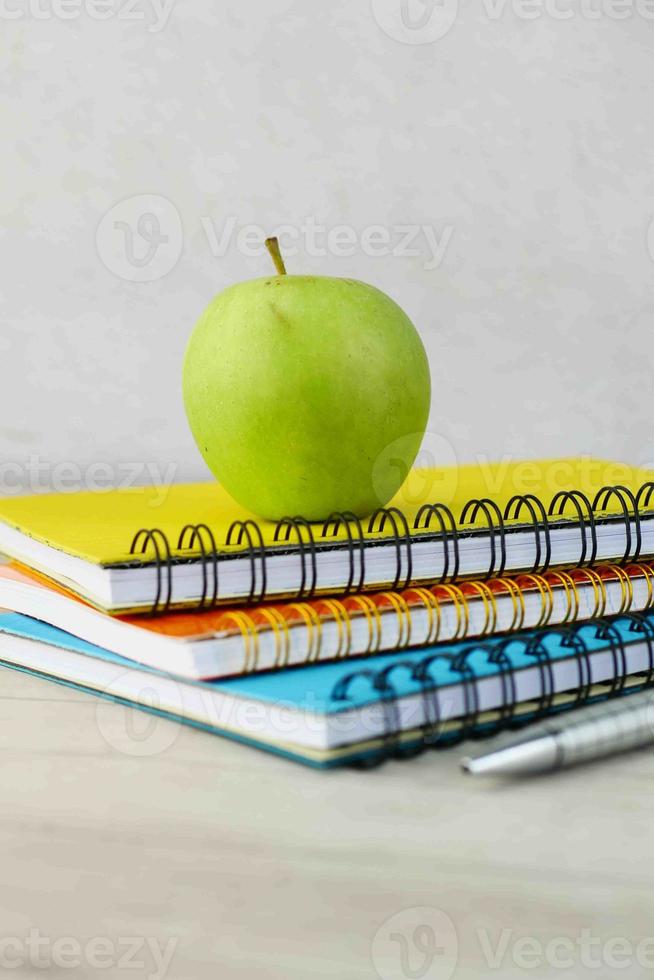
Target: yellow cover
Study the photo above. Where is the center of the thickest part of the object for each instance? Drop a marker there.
(100, 527)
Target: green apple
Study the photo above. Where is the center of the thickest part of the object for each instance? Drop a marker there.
(295, 387)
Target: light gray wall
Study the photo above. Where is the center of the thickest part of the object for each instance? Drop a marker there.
(524, 144)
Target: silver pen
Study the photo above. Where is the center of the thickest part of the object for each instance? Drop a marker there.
(599, 730)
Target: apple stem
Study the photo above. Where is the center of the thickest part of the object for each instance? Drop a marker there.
(273, 247)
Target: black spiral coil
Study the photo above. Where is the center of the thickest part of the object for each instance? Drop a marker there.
(162, 562)
(435, 734)
(435, 523)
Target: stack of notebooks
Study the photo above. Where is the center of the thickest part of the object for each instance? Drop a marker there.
(501, 594)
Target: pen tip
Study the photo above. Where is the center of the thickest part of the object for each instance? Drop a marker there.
(474, 767)
(533, 753)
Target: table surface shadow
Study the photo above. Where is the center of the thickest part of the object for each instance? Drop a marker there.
(214, 859)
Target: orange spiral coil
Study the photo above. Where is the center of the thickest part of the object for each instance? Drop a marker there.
(371, 612)
(518, 600)
(313, 623)
(648, 574)
(250, 636)
(546, 595)
(403, 612)
(461, 605)
(279, 626)
(599, 590)
(373, 618)
(626, 588)
(432, 605)
(312, 615)
(490, 606)
(571, 594)
(341, 617)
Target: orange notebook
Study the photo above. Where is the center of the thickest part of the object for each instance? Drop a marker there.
(228, 642)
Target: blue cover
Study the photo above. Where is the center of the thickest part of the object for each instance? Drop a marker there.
(312, 687)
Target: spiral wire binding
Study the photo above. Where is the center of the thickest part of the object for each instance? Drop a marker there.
(250, 637)
(433, 609)
(403, 606)
(281, 635)
(431, 728)
(492, 513)
(546, 596)
(163, 564)
(532, 503)
(255, 552)
(496, 654)
(385, 696)
(599, 590)
(606, 630)
(626, 499)
(435, 520)
(341, 617)
(644, 496)
(197, 532)
(518, 601)
(373, 618)
(313, 625)
(638, 623)
(447, 525)
(579, 500)
(393, 515)
(536, 648)
(403, 614)
(345, 519)
(306, 549)
(313, 615)
(490, 607)
(626, 585)
(433, 732)
(565, 580)
(648, 575)
(462, 608)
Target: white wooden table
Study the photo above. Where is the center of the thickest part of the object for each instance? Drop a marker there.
(258, 867)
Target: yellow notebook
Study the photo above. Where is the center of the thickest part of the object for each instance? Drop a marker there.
(149, 549)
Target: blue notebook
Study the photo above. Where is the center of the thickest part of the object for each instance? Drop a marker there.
(366, 709)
